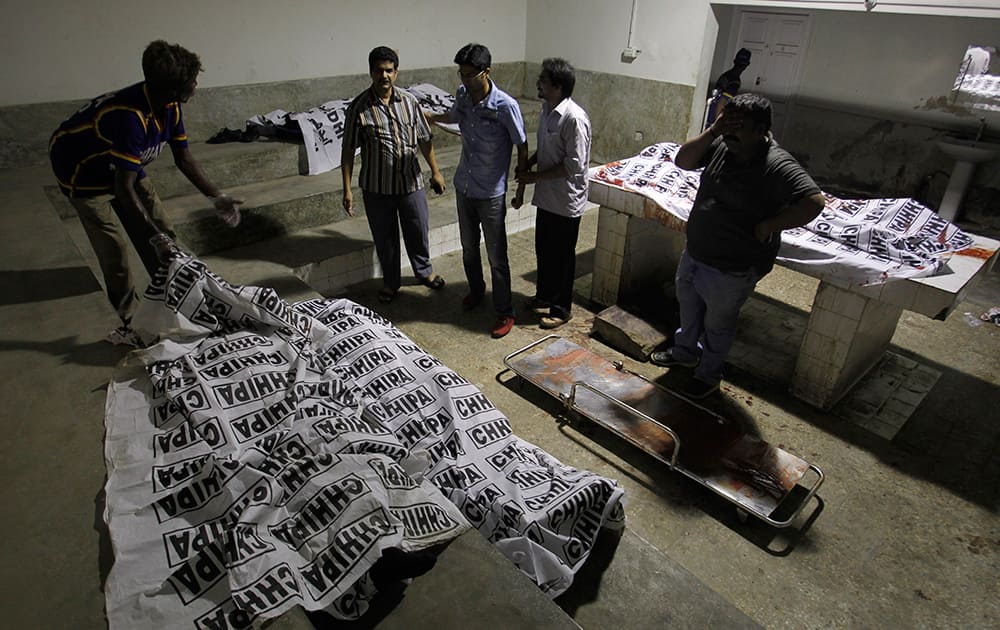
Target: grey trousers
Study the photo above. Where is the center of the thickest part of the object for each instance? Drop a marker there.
(98, 216)
(386, 215)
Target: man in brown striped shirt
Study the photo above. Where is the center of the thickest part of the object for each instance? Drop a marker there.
(388, 126)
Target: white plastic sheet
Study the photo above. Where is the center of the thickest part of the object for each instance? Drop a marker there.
(323, 126)
(266, 454)
(862, 242)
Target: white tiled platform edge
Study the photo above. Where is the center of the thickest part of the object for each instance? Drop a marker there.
(849, 326)
(335, 274)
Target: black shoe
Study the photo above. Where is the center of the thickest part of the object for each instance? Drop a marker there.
(667, 359)
(251, 134)
(697, 390)
(471, 301)
(225, 135)
(538, 306)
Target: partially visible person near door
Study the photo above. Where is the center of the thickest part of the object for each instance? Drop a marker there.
(751, 190)
(388, 126)
(562, 158)
(98, 155)
(491, 125)
(726, 87)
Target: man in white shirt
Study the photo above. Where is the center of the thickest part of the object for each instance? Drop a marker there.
(562, 158)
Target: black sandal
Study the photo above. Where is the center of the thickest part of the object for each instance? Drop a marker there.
(435, 282)
(386, 295)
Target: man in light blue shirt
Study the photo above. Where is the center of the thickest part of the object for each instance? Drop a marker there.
(491, 125)
(562, 157)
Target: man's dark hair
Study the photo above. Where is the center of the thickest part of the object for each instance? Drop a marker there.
(753, 106)
(560, 74)
(169, 68)
(475, 55)
(380, 54)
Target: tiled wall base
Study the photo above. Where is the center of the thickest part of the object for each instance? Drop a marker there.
(335, 274)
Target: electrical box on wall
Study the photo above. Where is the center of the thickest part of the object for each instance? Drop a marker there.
(629, 54)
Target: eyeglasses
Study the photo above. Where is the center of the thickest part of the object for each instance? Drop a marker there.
(468, 77)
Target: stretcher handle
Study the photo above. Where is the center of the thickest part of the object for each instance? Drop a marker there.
(507, 359)
(803, 503)
(570, 402)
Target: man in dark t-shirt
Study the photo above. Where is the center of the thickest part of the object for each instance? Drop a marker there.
(98, 156)
(751, 190)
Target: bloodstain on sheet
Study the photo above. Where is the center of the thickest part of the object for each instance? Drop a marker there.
(977, 252)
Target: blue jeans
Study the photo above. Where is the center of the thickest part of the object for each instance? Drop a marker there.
(710, 301)
(491, 216)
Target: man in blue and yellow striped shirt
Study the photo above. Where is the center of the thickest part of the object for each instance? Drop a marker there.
(98, 155)
(387, 125)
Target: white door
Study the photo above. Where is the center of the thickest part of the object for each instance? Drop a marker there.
(777, 43)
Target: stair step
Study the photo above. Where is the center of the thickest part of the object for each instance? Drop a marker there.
(273, 208)
(230, 164)
(226, 165)
(332, 257)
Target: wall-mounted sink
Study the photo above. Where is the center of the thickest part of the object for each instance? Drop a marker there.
(966, 153)
(966, 150)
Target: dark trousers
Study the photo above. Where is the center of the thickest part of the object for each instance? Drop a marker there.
(98, 216)
(386, 215)
(555, 250)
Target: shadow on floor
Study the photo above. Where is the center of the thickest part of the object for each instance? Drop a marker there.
(39, 285)
(294, 251)
(587, 581)
(947, 441)
(99, 353)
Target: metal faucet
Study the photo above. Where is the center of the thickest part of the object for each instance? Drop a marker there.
(982, 128)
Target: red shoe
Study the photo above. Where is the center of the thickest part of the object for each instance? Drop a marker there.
(503, 326)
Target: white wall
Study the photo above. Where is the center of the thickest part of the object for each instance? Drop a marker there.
(55, 50)
(888, 65)
(591, 34)
(888, 62)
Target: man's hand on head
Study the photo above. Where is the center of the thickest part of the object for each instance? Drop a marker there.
(729, 123)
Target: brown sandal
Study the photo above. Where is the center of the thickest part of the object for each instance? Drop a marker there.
(435, 282)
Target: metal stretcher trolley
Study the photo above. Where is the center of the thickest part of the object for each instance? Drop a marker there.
(758, 478)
